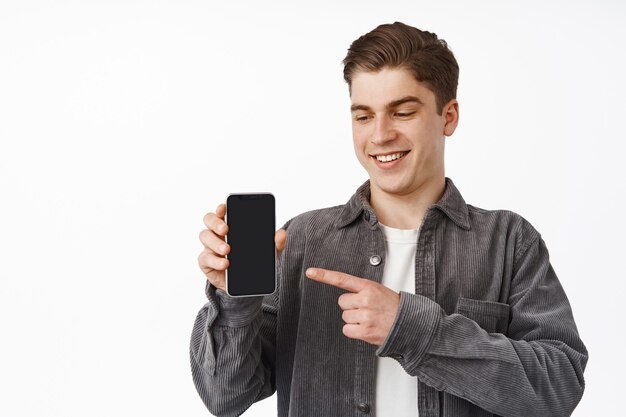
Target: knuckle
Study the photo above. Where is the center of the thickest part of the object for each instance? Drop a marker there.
(216, 224)
(367, 297)
(203, 236)
(203, 260)
(368, 316)
(207, 218)
(364, 316)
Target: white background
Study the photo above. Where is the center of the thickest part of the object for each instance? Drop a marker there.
(123, 122)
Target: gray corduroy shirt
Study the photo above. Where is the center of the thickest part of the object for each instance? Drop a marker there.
(489, 331)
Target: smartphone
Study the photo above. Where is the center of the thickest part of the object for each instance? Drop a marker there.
(251, 219)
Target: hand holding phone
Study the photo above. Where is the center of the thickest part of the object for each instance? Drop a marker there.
(212, 260)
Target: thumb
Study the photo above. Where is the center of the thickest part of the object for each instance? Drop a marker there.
(280, 238)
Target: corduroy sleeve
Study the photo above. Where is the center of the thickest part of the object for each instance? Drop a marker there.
(521, 358)
(232, 350)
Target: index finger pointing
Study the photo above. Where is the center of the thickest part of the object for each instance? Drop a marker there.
(337, 279)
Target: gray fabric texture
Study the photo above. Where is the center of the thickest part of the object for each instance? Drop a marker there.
(489, 331)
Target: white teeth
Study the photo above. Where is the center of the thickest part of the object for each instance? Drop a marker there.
(392, 157)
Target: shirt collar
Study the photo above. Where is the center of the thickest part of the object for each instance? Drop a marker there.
(451, 204)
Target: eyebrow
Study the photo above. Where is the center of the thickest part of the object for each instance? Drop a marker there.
(390, 105)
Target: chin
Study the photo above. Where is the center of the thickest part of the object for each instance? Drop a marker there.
(389, 185)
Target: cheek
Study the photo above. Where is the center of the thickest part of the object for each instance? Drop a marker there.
(360, 151)
(422, 133)
(359, 139)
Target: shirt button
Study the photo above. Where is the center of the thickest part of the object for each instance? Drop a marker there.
(397, 356)
(363, 407)
(375, 260)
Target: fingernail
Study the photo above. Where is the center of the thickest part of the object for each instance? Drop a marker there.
(311, 272)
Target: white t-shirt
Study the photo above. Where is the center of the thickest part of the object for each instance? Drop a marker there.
(396, 391)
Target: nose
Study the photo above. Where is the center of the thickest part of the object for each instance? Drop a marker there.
(383, 130)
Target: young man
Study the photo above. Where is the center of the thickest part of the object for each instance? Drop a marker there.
(405, 300)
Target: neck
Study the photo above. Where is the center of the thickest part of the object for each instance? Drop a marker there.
(405, 211)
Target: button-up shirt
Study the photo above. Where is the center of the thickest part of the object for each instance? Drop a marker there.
(489, 330)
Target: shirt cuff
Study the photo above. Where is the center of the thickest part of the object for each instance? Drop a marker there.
(233, 311)
(412, 330)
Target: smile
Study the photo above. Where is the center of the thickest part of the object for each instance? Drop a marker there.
(390, 157)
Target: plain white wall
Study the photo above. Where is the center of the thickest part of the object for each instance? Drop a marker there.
(123, 122)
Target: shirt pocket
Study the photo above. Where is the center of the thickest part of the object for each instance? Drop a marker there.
(490, 315)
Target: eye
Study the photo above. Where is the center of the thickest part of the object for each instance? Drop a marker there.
(362, 118)
(405, 114)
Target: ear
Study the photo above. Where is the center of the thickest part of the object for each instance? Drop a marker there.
(450, 114)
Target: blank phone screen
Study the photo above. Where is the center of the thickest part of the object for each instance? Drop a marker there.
(251, 226)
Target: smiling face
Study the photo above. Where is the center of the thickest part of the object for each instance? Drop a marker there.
(398, 135)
